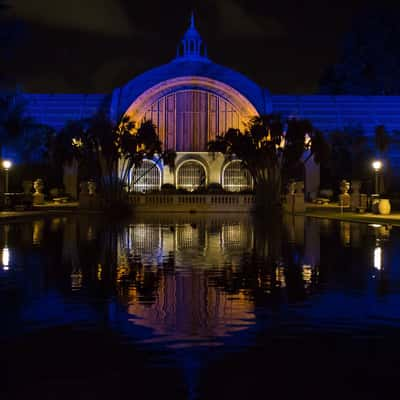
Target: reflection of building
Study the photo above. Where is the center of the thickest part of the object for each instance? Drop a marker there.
(195, 278)
(184, 305)
(198, 240)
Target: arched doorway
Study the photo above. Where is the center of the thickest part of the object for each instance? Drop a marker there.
(146, 178)
(235, 178)
(191, 175)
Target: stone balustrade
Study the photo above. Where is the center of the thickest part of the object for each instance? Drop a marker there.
(188, 202)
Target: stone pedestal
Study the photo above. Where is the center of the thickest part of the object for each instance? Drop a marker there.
(363, 201)
(295, 203)
(355, 195)
(38, 198)
(88, 198)
(344, 200)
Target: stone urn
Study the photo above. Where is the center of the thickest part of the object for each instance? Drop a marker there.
(38, 196)
(91, 185)
(38, 185)
(344, 197)
(344, 187)
(384, 206)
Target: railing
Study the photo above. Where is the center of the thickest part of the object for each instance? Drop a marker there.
(188, 202)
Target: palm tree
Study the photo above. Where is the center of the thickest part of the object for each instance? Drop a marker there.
(269, 149)
(111, 151)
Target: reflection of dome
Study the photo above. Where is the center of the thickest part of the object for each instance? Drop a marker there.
(188, 311)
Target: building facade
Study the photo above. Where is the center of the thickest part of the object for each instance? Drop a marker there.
(192, 99)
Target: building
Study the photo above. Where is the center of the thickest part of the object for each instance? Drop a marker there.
(192, 99)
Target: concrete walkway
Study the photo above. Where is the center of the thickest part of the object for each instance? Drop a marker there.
(335, 212)
(41, 211)
(329, 211)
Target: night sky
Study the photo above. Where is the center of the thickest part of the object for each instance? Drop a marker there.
(93, 46)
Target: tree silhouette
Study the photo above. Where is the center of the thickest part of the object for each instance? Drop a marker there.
(370, 58)
(270, 149)
(19, 130)
(110, 151)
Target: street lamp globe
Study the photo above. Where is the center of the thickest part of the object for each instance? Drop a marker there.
(377, 165)
(7, 164)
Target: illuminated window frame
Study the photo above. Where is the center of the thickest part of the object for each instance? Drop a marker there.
(191, 186)
(236, 187)
(148, 182)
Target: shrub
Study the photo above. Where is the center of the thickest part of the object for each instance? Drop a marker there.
(215, 188)
(168, 187)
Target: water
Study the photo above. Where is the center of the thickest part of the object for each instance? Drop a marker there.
(198, 307)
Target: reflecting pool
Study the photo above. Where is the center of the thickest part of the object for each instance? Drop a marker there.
(198, 307)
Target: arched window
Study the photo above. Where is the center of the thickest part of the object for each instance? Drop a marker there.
(235, 178)
(146, 178)
(187, 120)
(191, 175)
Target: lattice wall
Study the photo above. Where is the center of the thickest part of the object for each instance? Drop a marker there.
(187, 119)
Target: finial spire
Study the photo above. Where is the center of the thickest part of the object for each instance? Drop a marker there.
(192, 46)
(192, 20)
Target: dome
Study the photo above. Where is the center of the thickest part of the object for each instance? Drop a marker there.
(180, 68)
(191, 69)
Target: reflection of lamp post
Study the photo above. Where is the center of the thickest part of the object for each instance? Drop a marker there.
(7, 164)
(5, 258)
(378, 257)
(5, 254)
(377, 166)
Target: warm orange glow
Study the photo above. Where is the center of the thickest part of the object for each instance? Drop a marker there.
(138, 108)
(208, 312)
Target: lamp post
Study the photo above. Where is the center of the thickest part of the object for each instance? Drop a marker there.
(377, 166)
(7, 164)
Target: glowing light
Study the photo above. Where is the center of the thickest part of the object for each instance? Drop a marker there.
(375, 225)
(77, 142)
(307, 275)
(99, 271)
(377, 165)
(7, 164)
(307, 140)
(280, 276)
(6, 258)
(378, 258)
(282, 144)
